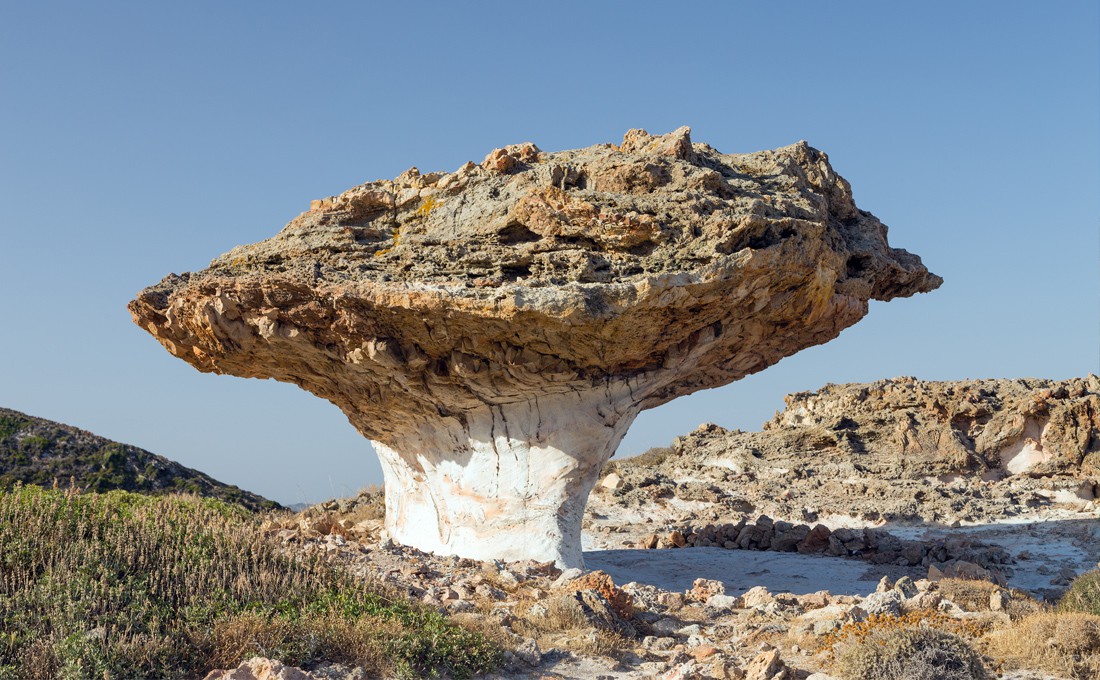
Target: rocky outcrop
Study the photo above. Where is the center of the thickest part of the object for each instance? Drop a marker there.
(495, 330)
(900, 449)
(995, 428)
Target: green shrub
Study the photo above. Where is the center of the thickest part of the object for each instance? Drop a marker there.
(909, 654)
(122, 585)
(1083, 594)
(9, 425)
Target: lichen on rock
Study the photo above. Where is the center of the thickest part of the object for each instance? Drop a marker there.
(494, 331)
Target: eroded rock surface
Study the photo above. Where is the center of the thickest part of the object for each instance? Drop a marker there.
(494, 331)
(901, 450)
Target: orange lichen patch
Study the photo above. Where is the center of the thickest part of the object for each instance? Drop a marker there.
(925, 618)
(427, 206)
(396, 242)
(601, 582)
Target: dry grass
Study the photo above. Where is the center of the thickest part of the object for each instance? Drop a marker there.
(973, 596)
(653, 457)
(121, 585)
(871, 631)
(371, 504)
(1063, 643)
(561, 626)
(1083, 595)
(909, 653)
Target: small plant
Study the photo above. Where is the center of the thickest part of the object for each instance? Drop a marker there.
(877, 624)
(9, 425)
(1083, 595)
(122, 585)
(653, 457)
(974, 596)
(909, 654)
(1062, 643)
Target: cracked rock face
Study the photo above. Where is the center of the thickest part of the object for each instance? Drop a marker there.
(494, 331)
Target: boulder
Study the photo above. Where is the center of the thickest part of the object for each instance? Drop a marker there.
(592, 608)
(620, 600)
(767, 666)
(260, 668)
(702, 589)
(494, 331)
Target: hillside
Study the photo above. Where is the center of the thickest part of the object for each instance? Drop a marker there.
(38, 451)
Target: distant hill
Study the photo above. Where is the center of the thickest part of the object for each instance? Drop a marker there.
(38, 451)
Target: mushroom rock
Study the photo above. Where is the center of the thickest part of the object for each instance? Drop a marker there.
(495, 330)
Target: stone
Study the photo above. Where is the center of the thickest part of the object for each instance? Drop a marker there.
(494, 331)
(790, 538)
(724, 602)
(611, 482)
(899, 450)
(682, 671)
(671, 600)
(702, 589)
(817, 600)
(260, 668)
(689, 630)
(591, 606)
(567, 576)
(757, 596)
(666, 626)
(704, 651)
(962, 569)
(884, 602)
(998, 600)
(620, 600)
(816, 541)
(528, 652)
(906, 587)
(767, 666)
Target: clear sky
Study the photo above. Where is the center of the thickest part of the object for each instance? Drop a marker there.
(138, 139)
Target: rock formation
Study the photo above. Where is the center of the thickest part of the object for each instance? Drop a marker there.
(494, 331)
(900, 450)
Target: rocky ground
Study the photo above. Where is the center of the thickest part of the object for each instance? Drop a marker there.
(738, 555)
(693, 612)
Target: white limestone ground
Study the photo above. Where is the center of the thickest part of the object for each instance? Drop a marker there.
(1051, 548)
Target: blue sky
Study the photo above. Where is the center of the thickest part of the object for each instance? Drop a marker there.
(138, 139)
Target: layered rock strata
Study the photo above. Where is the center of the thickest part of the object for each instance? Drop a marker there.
(900, 450)
(495, 330)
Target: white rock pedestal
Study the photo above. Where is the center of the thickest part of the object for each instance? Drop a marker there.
(510, 483)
